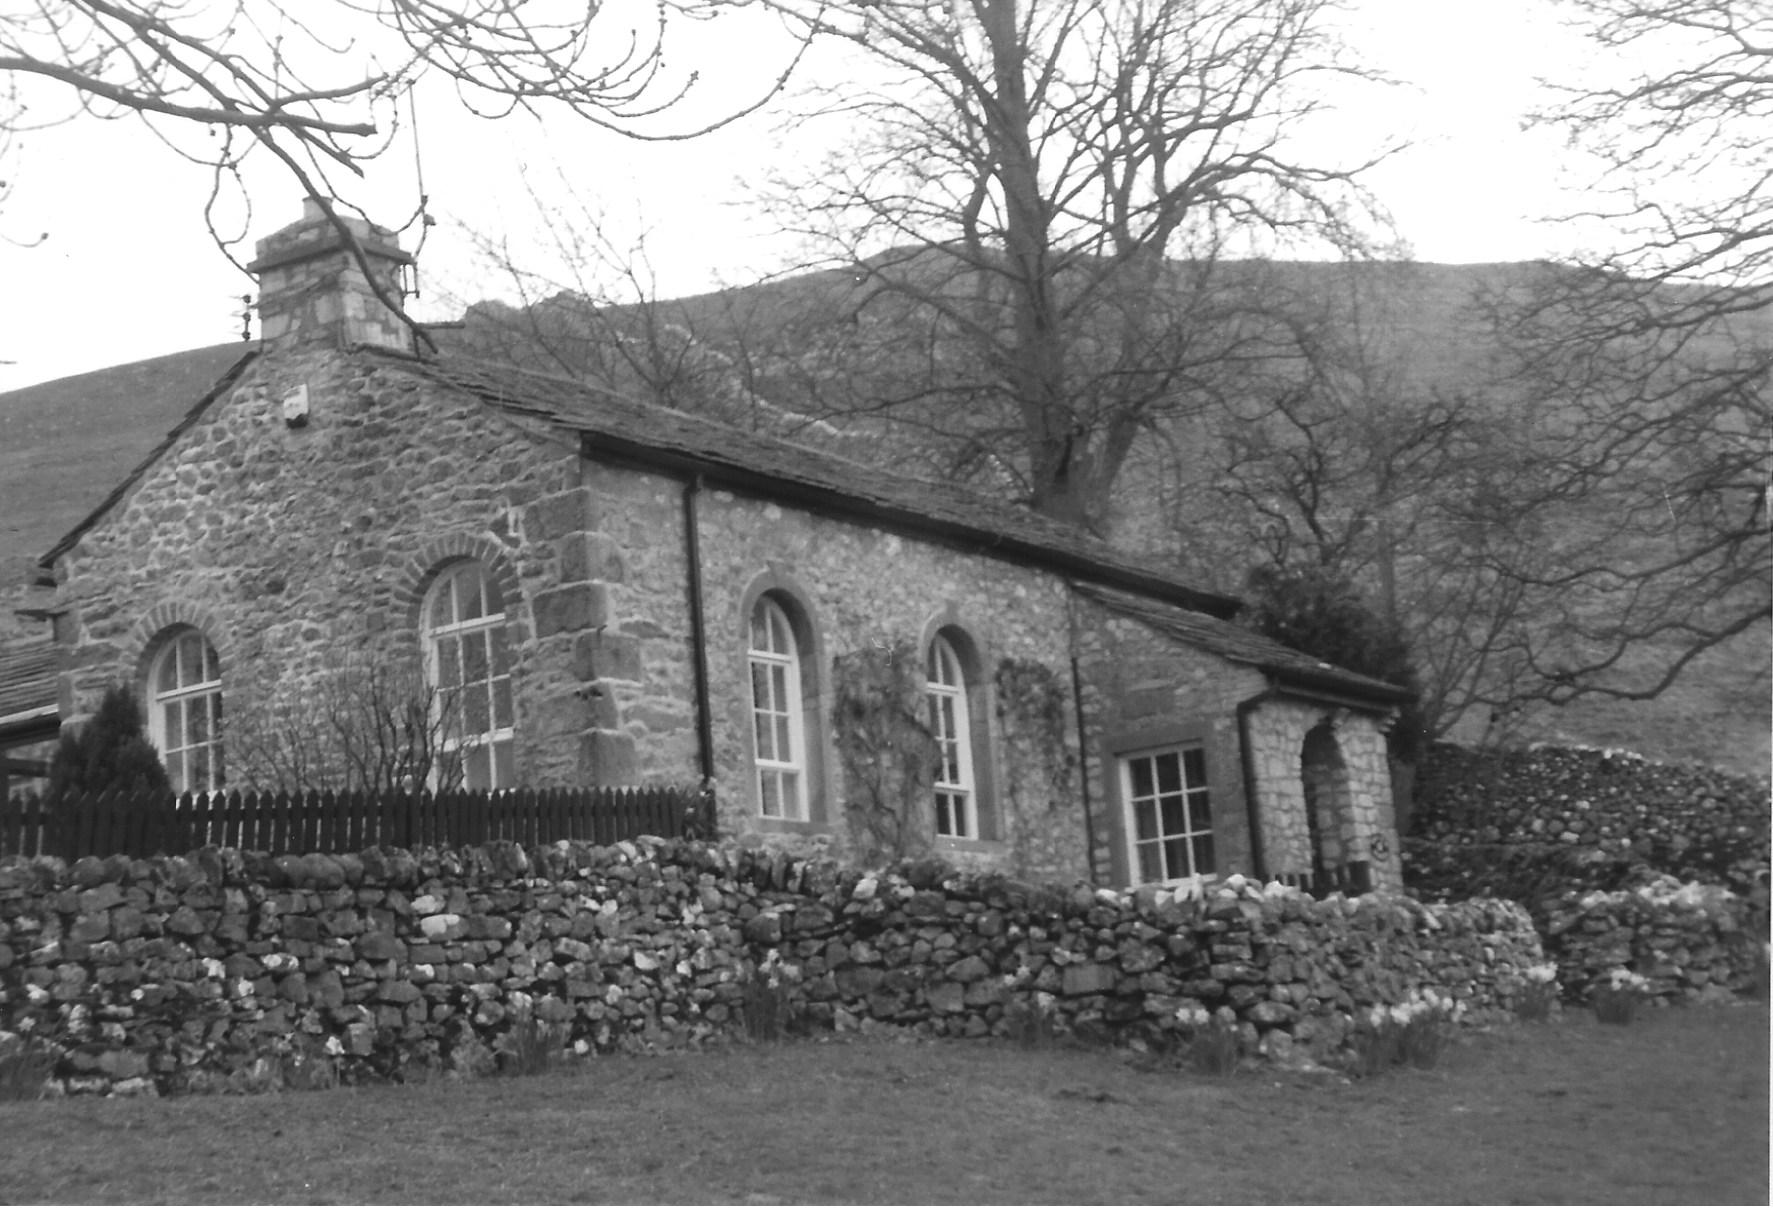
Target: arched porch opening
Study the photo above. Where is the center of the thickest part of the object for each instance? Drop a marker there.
(1329, 816)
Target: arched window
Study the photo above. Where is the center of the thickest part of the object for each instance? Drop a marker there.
(777, 713)
(185, 711)
(468, 665)
(957, 814)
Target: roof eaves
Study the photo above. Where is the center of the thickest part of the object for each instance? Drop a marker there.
(1289, 668)
(47, 562)
(831, 500)
(1361, 691)
(830, 495)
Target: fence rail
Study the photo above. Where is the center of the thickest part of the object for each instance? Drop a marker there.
(145, 825)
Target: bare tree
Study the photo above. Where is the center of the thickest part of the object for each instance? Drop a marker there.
(316, 86)
(369, 724)
(1592, 521)
(1680, 146)
(1651, 363)
(1030, 214)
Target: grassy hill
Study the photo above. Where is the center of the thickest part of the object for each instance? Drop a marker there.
(69, 442)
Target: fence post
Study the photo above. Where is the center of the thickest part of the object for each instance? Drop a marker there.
(12, 826)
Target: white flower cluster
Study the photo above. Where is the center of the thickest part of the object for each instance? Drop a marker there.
(1197, 888)
(1606, 752)
(1192, 1017)
(1621, 979)
(1665, 891)
(1421, 1005)
(778, 972)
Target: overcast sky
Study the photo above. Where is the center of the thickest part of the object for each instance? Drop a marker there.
(128, 271)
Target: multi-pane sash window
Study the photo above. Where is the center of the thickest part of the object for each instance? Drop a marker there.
(945, 686)
(185, 712)
(1169, 822)
(470, 674)
(776, 713)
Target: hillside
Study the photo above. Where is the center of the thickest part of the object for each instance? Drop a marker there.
(69, 442)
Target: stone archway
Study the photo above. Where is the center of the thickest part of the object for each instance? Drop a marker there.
(1329, 814)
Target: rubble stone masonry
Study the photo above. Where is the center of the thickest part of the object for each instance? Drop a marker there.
(223, 970)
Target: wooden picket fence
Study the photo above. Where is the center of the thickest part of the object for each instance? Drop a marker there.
(141, 826)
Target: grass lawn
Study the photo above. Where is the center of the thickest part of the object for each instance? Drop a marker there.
(1670, 1109)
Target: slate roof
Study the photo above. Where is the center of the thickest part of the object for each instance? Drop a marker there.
(1247, 648)
(613, 425)
(27, 685)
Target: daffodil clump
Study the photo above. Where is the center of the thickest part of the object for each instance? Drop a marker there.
(1414, 1032)
(1617, 998)
(1212, 1045)
(766, 1011)
(1539, 994)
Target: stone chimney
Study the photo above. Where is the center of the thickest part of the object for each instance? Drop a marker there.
(312, 291)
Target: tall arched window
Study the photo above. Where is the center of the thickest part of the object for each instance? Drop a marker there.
(185, 711)
(777, 713)
(468, 664)
(945, 684)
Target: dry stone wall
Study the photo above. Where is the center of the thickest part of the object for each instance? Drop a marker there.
(1687, 942)
(224, 970)
(1521, 824)
(1624, 863)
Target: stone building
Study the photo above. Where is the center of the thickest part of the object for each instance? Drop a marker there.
(603, 591)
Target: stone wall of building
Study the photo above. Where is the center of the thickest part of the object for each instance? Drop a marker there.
(294, 549)
(1355, 809)
(1143, 688)
(223, 970)
(868, 588)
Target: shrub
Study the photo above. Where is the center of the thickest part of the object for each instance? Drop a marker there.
(110, 754)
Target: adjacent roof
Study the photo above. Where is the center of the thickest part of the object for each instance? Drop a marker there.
(1238, 644)
(27, 689)
(614, 426)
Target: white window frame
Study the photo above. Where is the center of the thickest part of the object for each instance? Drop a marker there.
(773, 664)
(176, 690)
(1192, 795)
(497, 742)
(956, 792)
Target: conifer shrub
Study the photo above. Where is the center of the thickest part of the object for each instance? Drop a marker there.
(111, 754)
